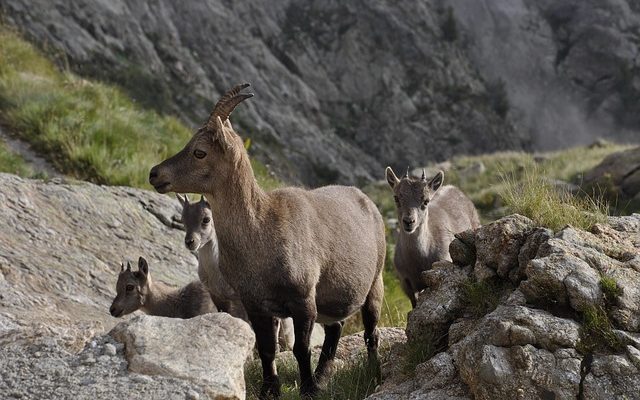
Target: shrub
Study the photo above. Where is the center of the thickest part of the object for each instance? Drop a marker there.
(610, 288)
(596, 333)
(480, 297)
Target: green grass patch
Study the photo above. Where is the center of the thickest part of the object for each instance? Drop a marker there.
(13, 163)
(480, 298)
(88, 130)
(610, 288)
(596, 334)
(534, 196)
(421, 350)
(356, 380)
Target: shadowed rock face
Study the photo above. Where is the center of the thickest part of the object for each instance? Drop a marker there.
(571, 68)
(618, 176)
(342, 88)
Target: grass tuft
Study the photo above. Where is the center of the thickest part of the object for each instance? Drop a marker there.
(534, 196)
(596, 334)
(421, 350)
(480, 298)
(610, 288)
(13, 163)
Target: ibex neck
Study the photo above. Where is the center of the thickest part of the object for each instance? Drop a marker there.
(420, 236)
(159, 300)
(240, 200)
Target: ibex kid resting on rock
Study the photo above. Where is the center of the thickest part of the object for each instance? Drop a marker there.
(428, 216)
(136, 291)
(306, 254)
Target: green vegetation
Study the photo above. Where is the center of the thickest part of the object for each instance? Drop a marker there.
(534, 196)
(597, 332)
(480, 298)
(87, 130)
(13, 163)
(418, 351)
(610, 288)
(356, 380)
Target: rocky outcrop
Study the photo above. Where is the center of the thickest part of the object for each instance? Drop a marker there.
(61, 245)
(209, 350)
(564, 323)
(342, 89)
(618, 178)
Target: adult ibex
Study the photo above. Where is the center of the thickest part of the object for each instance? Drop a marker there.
(137, 291)
(428, 216)
(306, 254)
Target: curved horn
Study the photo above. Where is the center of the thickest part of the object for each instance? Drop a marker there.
(424, 176)
(227, 103)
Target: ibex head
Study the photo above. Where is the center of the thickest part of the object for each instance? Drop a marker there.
(197, 221)
(131, 290)
(412, 197)
(208, 157)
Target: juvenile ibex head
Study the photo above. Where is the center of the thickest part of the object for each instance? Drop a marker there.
(412, 197)
(197, 221)
(209, 156)
(131, 290)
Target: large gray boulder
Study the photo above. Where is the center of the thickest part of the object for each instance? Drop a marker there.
(209, 350)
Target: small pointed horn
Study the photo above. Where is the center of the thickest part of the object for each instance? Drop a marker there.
(227, 103)
(201, 199)
(406, 175)
(121, 266)
(424, 176)
(128, 266)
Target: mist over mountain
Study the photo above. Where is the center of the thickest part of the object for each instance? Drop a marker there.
(345, 88)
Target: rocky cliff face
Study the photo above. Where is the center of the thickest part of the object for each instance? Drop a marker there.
(342, 89)
(570, 68)
(526, 313)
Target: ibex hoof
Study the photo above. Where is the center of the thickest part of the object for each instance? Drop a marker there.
(270, 388)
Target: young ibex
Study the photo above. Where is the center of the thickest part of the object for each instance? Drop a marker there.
(428, 217)
(306, 254)
(201, 237)
(137, 291)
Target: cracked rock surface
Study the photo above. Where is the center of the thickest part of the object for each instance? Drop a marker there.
(534, 342)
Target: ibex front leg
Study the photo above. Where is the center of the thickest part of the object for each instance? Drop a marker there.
(265, 328)
(304, 316)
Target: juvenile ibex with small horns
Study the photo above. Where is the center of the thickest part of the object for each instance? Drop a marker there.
(429, 216)
(137, 291)
(306, 254)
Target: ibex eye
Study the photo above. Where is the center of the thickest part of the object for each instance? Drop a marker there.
(199, 154)
(206, 220)
(130, 288)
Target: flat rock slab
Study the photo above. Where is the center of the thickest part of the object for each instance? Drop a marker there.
(209, 350)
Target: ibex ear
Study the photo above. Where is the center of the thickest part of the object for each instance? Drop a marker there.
(435, 182)
(143, 266)
(221, 136)
(392, 179)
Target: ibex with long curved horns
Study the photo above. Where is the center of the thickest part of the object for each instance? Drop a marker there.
(429, 216)
(306, 254)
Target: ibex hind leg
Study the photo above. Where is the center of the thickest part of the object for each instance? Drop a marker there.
(325, 367)
(370, 317)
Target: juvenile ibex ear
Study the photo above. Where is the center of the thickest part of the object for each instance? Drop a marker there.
(392, 179)
(143, 266)
(435, 182)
